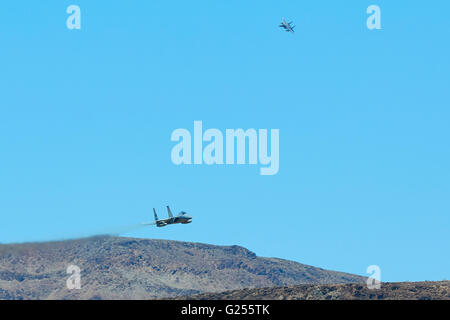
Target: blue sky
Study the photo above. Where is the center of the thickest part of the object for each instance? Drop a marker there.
(86, 117)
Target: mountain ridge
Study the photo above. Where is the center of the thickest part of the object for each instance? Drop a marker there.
(425, 290)
(131, 268)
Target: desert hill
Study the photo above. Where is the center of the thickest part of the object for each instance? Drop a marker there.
(439, 290)
(128, 268)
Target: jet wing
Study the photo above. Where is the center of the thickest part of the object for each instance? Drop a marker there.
(169, 212)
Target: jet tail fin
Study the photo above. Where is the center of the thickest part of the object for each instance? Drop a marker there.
(156, 216)
(169, 212)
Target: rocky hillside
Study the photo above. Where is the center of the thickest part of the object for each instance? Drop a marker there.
(388, 291)
(127, 268)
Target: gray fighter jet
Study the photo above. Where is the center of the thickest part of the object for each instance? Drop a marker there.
(287, 26)
(182, 217)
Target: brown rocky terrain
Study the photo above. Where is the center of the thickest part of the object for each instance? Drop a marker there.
(127, 268)
(388, 291)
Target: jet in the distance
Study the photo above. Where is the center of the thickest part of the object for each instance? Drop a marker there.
(182, 217)
(287, 26)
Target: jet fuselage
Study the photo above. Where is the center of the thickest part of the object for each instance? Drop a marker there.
(178, 219)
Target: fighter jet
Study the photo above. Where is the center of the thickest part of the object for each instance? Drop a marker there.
(287, 26)
(182, 217)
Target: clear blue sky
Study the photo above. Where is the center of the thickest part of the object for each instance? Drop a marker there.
(86, 118)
